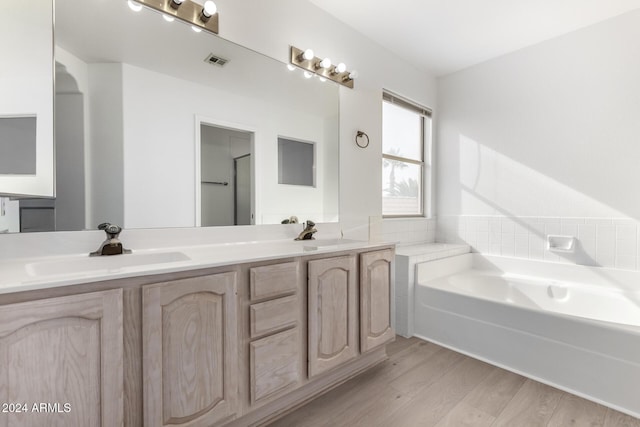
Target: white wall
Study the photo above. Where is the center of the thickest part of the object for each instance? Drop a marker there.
(546, 135)
(106, 154)
(302, 24)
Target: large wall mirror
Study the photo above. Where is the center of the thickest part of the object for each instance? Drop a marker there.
(153, 132)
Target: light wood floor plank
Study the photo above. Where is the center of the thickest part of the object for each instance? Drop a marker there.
(618, 419)
(409, 358)
(464, 415)
(426, 373)
(442, 388)
(533, 405)
(494, 393)
(576, 411)
(400, 344)
(432, 403)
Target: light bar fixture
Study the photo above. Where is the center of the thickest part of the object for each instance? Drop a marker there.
(200, 17)
(322, 67)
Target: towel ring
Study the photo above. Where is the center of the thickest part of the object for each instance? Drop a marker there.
(360, 134)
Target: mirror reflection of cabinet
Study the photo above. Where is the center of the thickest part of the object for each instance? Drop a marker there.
(26, 104)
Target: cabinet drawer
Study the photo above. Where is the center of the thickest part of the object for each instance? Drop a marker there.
(273, 280)
(274, 315)
(275, 365)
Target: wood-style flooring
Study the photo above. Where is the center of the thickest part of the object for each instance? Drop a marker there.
(423, 384)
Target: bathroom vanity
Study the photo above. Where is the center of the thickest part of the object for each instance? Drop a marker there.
(209, 339)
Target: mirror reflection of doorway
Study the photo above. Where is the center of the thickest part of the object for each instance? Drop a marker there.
(242, 189)
(225, 176)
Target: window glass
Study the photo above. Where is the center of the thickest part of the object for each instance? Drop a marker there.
(401, 188)
(406, 128)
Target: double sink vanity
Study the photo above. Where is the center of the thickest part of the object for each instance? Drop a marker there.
(198, 326)
(222, 334)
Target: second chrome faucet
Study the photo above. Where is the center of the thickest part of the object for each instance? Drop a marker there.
(112, 245)
(309, 230)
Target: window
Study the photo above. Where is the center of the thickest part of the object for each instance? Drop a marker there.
(406, 130)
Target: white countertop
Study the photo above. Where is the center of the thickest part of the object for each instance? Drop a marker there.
(24, 274)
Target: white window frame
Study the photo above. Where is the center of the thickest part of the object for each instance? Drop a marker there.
(426, 190)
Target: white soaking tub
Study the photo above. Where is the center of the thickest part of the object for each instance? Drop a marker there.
(573, 327)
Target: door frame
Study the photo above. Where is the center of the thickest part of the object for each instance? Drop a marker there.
(235, 187)
(202, 120)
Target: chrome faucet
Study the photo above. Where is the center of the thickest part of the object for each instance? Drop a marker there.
(112, 245)
(307, 233)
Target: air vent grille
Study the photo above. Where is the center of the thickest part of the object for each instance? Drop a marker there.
(215, 60)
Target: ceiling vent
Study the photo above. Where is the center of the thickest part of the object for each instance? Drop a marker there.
(215, 60)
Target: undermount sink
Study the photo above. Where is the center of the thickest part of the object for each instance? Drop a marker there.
(312, 245)
(75, 265)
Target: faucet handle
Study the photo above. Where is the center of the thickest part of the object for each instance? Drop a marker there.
(112, 230)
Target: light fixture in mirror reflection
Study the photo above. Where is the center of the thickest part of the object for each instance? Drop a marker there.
(199, 16)
(321, 67)
(131, 92)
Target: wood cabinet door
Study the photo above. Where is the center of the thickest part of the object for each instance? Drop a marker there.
(189, 349)
(333, 322)
(375, 299)
(65, 353)
(274, 365)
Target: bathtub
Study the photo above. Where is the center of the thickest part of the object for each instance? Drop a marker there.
(573, 327)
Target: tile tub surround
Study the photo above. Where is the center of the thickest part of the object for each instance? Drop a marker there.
(602, 242)
(404, 231)
(407, 257)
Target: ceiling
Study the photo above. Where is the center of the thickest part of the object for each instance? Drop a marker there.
(445, 36)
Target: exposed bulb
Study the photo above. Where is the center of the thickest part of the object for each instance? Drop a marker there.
(308, 54)
(209, 9)
(134, 6)
(176, 3)
(325, 63)
(168, 18)
(196, 29)
(353, 75)
(291, 67)
(341, 68)
(307, 75)
(322, 79)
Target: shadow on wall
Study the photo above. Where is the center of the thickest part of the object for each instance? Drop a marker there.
(489, 181)
(555, 124)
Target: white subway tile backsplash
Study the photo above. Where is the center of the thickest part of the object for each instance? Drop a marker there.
(625, 231)
(626, 247)
(599, 221)
(508, 226)
(586, 232)
(483, 241)
(569, 229)
(606, 242)
(606, 234)
(522, 246)
(626, 262)
(552, 228)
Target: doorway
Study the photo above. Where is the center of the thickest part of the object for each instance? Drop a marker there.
(226, 184)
